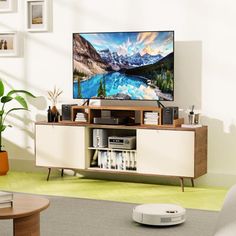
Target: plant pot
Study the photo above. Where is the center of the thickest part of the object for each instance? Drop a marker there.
(4, 165)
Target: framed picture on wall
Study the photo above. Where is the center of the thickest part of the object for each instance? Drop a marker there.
(8, 44)
(7, 5)
(37, 15)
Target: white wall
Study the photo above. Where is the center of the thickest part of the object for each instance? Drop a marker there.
(205, 66)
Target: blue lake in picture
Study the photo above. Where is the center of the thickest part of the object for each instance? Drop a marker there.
(115, 83)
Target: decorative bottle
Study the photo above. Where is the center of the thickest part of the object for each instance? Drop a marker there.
(50, 115)
(55, 114)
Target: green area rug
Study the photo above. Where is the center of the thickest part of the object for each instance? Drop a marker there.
(72, 186)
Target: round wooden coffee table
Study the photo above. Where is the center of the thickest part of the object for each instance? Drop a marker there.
(25, 214)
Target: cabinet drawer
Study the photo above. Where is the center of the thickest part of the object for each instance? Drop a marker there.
(60, 146)
(165, 152)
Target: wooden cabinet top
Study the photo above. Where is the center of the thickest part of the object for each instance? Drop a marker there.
(124, 108)
(73, 123)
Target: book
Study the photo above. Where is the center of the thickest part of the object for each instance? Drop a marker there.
(80, 120)
(150, 123)
(149, 115)
(5, 196)
(151, 119)
(6, 204)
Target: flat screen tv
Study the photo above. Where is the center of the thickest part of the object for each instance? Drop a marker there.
(124, 65)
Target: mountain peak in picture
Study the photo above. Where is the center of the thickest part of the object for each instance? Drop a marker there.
(124, 65)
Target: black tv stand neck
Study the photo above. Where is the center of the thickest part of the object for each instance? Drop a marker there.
(86, 102)
(159, 104)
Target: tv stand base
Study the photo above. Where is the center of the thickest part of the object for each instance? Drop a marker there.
(49, 172)
(75, 171)
(182, 182)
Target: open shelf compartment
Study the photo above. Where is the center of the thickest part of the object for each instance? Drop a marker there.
(115, 159)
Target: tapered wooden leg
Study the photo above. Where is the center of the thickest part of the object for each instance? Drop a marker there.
(75, 172)
(182, 183)
(49, 172)
(62, 172)
(192, 181)
(29, 225)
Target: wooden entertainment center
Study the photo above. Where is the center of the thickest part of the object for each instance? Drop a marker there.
(161, 150)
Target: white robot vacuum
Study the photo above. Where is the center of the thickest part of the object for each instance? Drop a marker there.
(159, 214)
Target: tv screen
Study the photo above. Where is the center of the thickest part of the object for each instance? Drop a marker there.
(124, 65)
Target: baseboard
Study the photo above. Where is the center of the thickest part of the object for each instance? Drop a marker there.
(210, 179)
(216, 180)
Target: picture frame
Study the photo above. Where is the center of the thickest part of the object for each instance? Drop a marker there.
(37, 15)
(8, 44)
(7, 6)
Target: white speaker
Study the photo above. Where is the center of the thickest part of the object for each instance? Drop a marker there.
(100, 138)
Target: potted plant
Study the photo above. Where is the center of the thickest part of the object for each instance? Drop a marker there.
(4, 99)
(53, 97)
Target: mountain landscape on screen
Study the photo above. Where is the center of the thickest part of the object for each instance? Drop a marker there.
(124, 65)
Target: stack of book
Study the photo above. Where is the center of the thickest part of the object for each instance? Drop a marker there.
(81, 117)
(6, 199)
(118, 160)
(151, 118)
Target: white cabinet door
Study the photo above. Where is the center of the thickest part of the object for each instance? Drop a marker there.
(60, 146)
(165, 152)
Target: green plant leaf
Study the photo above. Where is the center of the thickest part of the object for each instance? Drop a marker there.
(6, 99)
(1, 112)
(2, 128)
(22, 101)
(21, 91)
(1, 88)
